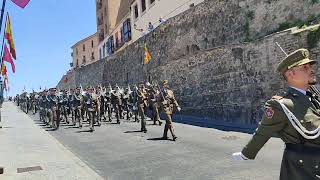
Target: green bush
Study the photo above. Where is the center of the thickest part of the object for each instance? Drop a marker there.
(313, 38)
(247, 31)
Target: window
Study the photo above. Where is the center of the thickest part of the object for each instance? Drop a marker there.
(92, 43)
(117, 39)
(110, 45)
(143, 5)
(77, 51)
(104, 50)
(136, 12)
(100, 53)
(126, 30)
(152, 1)
(84, 47)
(77, 63)
(84, 60)
(121, 35)
(92, 56)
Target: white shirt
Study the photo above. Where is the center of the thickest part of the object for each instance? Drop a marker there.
(300, 90)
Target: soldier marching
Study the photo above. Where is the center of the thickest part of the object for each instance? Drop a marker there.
(103, 103)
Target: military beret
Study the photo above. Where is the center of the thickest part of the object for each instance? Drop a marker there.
(297, 58)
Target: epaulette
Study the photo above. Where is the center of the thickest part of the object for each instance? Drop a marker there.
(277, 97)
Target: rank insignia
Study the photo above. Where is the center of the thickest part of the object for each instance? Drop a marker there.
(269, 113)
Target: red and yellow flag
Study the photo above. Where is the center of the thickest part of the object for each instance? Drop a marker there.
(147, 56)
(3, 69)
(7, 57)
(21, 3)
(9, 37)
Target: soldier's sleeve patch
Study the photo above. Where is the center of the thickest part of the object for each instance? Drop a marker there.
(269, 113)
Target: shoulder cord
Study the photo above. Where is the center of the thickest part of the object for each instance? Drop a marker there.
(298, 126)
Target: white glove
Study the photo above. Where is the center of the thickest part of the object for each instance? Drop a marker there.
(238, 156)
(179, 108)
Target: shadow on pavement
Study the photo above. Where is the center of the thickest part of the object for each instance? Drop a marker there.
(6, 127)
(82, 131)
(42, 125)
(158, 139)
(72, 127)
(132, 131)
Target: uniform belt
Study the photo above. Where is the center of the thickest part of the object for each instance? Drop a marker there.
(301, 148)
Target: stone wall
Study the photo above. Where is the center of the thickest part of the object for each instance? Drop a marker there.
(91, 74)
(216, 75)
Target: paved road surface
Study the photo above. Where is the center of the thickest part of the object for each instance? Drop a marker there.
(119, 152)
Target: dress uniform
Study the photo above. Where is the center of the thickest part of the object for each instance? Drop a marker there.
(142, 104)
(295, 117)
(168, 103)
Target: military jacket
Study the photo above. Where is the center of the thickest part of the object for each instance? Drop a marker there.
(91, 99)
(169, 98)
(142, 97)
(52, 100)
(77, 100)
(275, 121)
(116, 98)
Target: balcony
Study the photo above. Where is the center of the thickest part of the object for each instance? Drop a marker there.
(99, 21)
(99, 4)
(101, 36)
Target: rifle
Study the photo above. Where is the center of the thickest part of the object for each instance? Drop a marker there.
(164, 102)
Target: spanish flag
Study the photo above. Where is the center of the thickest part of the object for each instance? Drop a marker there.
(147, 56)
(7, 57)
(8, 35)
(3, 69)
(21, 3)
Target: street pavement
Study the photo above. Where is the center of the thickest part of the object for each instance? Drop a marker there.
(121, 152)
(29, 153)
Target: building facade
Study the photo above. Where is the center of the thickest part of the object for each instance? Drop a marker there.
(85, 51)
(144, 12)
(113, 25)
(121, 22)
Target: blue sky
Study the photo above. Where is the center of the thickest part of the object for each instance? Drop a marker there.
(43, 34)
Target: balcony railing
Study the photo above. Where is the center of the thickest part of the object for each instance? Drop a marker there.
(99, 5)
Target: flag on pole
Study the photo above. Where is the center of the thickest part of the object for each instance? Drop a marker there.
(9, 37)
(147, 56)
(6, 82)
(3, 69)
(21, 3)
(7, 57)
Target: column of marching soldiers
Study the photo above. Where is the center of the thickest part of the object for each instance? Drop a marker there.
(100, 103)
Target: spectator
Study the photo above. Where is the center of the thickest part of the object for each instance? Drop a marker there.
(161, 20)
(142, 33)
(150, 27)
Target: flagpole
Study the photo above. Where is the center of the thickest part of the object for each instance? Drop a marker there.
(4, 32)
(2, 13)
